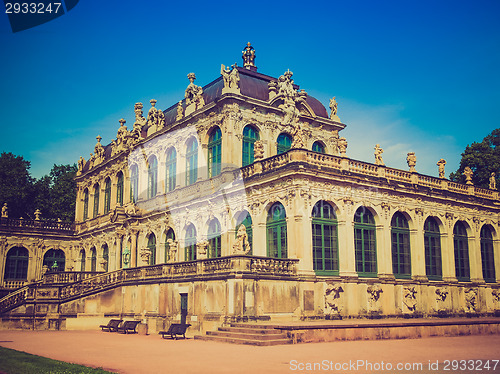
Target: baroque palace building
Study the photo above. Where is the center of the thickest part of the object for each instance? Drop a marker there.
(240, 203)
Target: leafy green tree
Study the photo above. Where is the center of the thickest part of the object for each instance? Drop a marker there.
(483, 159)
(16, 185)
(63, 192)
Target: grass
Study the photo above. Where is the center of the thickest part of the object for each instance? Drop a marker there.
(15, 362)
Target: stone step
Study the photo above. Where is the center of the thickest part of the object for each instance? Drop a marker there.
(248, 336)
(254, 326)
(251, 330)
(223, 339)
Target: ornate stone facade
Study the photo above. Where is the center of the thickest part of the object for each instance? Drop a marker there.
(241, 196)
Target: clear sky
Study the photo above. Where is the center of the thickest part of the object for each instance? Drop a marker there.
(419, 76)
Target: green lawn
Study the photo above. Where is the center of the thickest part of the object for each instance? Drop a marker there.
(15, 362)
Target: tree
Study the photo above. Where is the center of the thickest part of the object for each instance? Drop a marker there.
(483, 159)
(16, 185)
(63, 192)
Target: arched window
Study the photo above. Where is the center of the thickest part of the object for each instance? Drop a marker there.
(276, 232)
(85, 204)
(214, 245)
(461, 247)
(16, 264)
(152, 177)
(171, 169)
(152, 248)
(105, 257)
(134, 183)
(324, 238)
(318, 147)
(93, 260)
(190, 248)
(55, 260)
(487, 256)
(432, 241)
(245, 219)
(168, 255)
(191, 161)
(96, 200)
(119, 189)
(284, 143)
(107, 196)
(250, 135)
(364, 243)
(214, 153)
(401, 257)
(82, 260)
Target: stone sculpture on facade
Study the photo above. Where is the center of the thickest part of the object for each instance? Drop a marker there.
(5, 211)
(193, 96)
(493, 182)
(37, 214)
(172, 248)
(470, 300)
(180, 111)
(98, 152)
(378, 155)
(242, 245)
(81, 163)
(342, 144)
(410, 298)
(156, 119)
(333, 110)
(231, 79)
(333, 303)
(248, 56)
(468, 175)
(441, 163)
(145, 255)
(201, 249)
(411, 159)
(258, 150)
(139, 118)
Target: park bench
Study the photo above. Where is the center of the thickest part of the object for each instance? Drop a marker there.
(174, 330)
(112, 325)
(128, 327)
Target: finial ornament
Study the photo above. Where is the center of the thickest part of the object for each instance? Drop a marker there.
(342, 145)
(468, 175)
(378, 155)
(5, 211)
(493, 182)
(441, 163)
(249, 57)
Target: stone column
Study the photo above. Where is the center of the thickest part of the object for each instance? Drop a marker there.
(448, 254)
(417, 250)
(347, 258)
(79, 205)
(259, 239)
(202, 162)
(133, 250)
(475, 264)
(384, 249)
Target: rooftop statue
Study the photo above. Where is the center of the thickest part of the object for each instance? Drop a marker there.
(231, 79)
(468, 175)
(378, 155)
(441, 163)
(411, 159)
(249, 57)
(193, 95)
(493, 182)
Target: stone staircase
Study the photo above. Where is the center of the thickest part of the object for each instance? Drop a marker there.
(245, 333)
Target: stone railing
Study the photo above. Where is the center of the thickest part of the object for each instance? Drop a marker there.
(65, 286)
(344, 164)
(67, 276)
(29, 224)
(13, 284)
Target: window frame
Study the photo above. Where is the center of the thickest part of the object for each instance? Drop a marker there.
(319, 224)
(276, 233)
(400, 246)
(214, 152)
(461, 252)
(367, 235)
(248, 144)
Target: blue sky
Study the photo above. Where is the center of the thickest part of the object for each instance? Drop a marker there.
(419, 76)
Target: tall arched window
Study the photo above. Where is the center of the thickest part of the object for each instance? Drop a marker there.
(214, 244)
(105, 256)
(16, 264)
(276, 232)
(119, 189)
(96, 200)
(107, 196)
(461, 247)
(190, 248)
(250, 135)
(55, 260)
(487, 256)
(168, 255)
(214, 152)
(85, 204)
(364, 243)
(152, 248)
(82, 260)
(401, 257)
(318, 147)
(432, 241)
(245, 219)
(171, 169)
(152, 177)
(134, 183)
(191, 161)
(284, 143)
(93, 260)
(324, 238)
